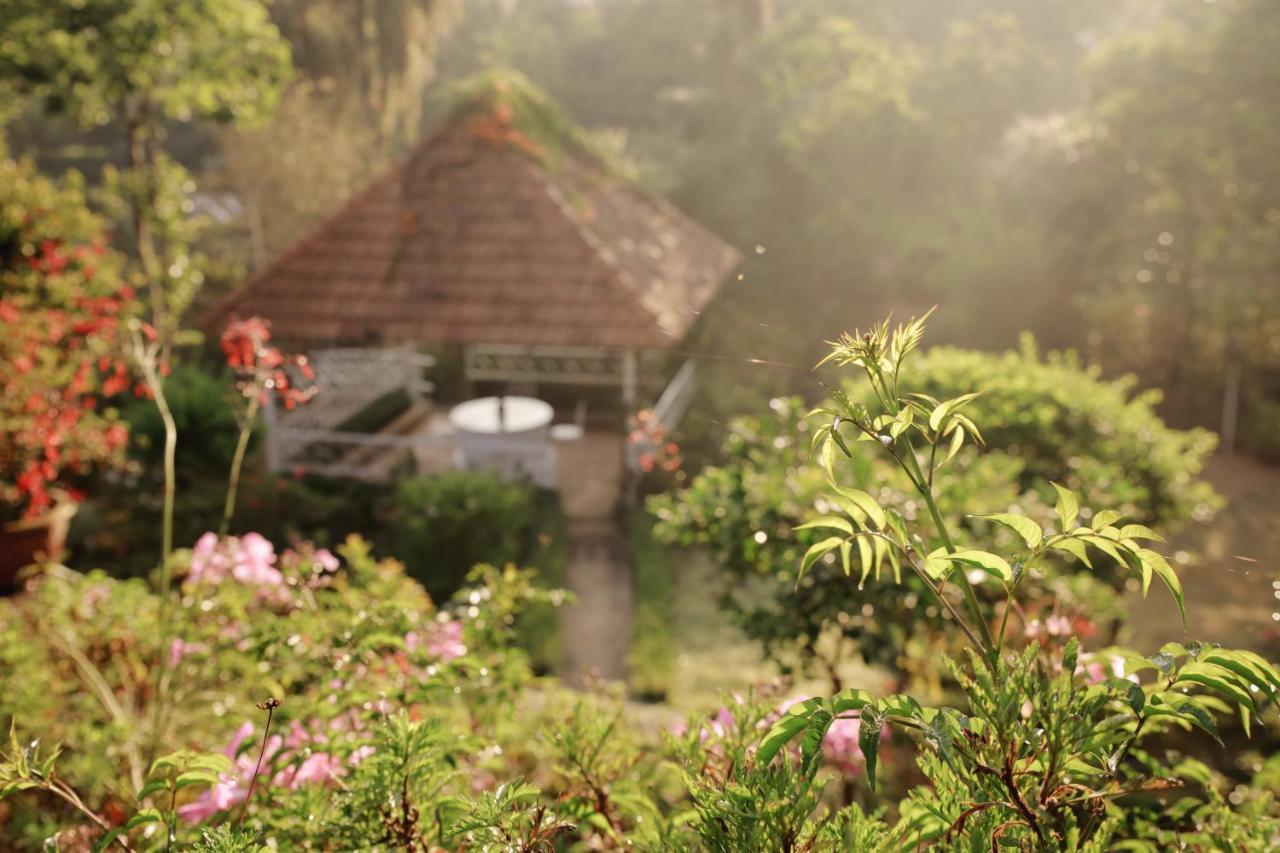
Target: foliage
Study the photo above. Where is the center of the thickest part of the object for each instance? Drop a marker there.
(200, 399)
(1175, 220)
(1044, 749)
(446, 523)
(77, 650)
(652, 651)
(405, 725)
(1045, 419)
(62, 303)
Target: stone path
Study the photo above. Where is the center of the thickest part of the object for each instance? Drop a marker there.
(597, 629)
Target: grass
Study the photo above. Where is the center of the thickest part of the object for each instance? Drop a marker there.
(539, 632)
(652, 657)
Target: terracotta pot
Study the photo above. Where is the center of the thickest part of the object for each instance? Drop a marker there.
(32, 540)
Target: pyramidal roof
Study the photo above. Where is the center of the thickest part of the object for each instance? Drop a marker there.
(503, 227)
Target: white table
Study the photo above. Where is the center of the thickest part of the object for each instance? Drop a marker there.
(509, 435)
(501, 416)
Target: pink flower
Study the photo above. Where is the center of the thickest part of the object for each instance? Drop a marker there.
(317, 768)
(179, 649)
(1058, 626)
(442, 640)
(249, 559)
(207, 560)
(225, 794)
(1096, 670)
(326, 560)
(231, 788)
(255, 562)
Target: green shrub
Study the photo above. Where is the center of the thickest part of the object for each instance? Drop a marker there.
(445, 524)
(200, 400)
(1044, 420)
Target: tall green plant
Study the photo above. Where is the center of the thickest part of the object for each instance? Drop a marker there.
(1047, 418)
(1043, 746)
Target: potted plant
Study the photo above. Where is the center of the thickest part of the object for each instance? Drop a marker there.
(63, 306)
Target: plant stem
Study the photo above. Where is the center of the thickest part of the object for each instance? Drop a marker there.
(971, 599)
(253, 781)
(62, 790)
(233, 484)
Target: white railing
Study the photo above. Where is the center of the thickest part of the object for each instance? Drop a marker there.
(543, 364)
(668, 411)
(677, 396)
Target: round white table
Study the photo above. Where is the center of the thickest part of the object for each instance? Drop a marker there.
(501, 416)
(509, 435)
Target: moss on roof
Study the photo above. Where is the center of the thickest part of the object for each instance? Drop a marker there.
(504, 107)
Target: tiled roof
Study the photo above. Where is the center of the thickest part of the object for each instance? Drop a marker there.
(473, 239)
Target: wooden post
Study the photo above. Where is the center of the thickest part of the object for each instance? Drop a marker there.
(629, 380)
(269, 420)
(630, 494)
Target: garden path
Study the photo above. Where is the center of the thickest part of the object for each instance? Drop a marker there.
(597, 629)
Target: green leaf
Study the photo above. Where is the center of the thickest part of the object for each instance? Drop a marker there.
(1106, 518)
(1201, 717)
(850, 699)
(108, 838)
(864, 502)
(869, 740)
(1133, 695)
(936, 564)
(1272, 675)
(865, 558)
(195, 777)
(1250, 671)
(992, 564)
(816, 552)
(782, 732)
(846, 564)
(1026, 528)
(1219, 680)
(1070, 656)
(155, 786)
(811, 743)
(1139, 531)
(144, 816)
(957, 441)
(1156, 563)
(1075, 548)
(1067, 507)
(828, 521)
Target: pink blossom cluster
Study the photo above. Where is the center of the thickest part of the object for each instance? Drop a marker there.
(316, 767)
(249, 559)
(440, 640)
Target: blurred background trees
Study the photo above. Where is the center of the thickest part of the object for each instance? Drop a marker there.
(1009, 160)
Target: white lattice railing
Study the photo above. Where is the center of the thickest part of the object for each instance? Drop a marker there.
(572, 365)
(349, 379)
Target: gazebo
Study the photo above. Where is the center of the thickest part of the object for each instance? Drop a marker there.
(503, 238)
